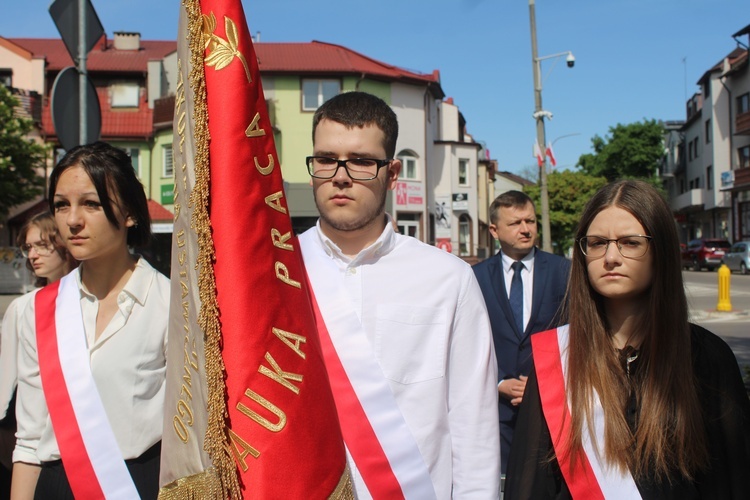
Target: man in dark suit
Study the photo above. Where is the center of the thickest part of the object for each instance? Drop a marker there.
(524, 289)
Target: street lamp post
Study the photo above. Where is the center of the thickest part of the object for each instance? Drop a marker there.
(539, 115)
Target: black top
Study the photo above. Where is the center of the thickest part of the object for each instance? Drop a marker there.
(534, 473)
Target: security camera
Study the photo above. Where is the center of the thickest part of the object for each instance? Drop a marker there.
(570, 60)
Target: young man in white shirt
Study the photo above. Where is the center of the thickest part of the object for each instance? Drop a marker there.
(403, 325)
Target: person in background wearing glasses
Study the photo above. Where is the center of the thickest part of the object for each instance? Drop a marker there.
(49, 260)
(630, 400)
(403, 326)
(523, 288)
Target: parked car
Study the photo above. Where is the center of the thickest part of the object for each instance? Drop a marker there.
(738, 257)
(705, 253)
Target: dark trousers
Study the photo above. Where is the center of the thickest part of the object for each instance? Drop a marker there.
(53, 482)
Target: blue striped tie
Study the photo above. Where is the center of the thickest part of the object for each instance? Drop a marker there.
(516, 295)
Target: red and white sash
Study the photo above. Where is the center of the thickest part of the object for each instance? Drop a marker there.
(90, 453)
(375, 432)
(592, 476)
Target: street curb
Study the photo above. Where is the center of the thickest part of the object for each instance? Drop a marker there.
(697, 315)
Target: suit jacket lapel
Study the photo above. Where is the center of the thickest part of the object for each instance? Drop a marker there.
(497, 277)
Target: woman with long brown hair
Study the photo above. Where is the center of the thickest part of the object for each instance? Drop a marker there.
(630, 400)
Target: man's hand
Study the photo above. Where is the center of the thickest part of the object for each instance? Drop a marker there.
(512, 389)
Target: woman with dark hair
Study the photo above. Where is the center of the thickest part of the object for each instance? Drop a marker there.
(92, 357)
(630, 400)
(49, 260)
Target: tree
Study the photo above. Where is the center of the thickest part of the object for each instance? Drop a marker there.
(630, 151)
(568, 193)
(20, 156)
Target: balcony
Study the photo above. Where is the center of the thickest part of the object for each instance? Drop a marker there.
(689, 201)
(742, 124)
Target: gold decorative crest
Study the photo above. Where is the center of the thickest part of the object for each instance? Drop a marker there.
(222, 52)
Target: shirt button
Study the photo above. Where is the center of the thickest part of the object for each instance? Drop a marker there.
(351, 270)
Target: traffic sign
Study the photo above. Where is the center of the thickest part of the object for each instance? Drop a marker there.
(65, 105)
(65, 15)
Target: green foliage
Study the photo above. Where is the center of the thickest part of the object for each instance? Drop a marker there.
(20, 156)
(568, 193)
(630, 151)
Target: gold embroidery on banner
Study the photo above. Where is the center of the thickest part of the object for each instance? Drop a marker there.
(267, 169)
(283, 274)
(199, 486)
(272, 200)
(246, 450)
(222, 52)
(284, 336)
(253, 130)
(279, 375)
(257, 417)
(280, 240)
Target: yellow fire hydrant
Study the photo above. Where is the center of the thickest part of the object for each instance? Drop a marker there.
(725, 276)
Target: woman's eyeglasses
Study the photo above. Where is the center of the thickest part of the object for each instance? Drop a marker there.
(630, 247)
(42, 248)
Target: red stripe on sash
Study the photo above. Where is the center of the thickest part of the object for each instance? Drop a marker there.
(581, 480)
(80, 472)
(359, 436)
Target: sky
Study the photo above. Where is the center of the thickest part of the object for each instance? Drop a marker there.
(635, 59)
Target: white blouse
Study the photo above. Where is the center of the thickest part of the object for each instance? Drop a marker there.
(9, 349)
(128, 363)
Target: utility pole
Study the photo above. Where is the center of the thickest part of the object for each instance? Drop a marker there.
(540, 136)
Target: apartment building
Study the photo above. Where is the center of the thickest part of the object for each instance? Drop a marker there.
(706, 167)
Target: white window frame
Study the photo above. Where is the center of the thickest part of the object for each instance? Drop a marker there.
(167, 168)
(409, 157)
(463, 164)
(321, 95)
(406, 221)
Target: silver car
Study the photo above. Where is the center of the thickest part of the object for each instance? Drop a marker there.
(738, 257)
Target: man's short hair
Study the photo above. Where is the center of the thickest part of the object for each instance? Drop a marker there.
(517, 199)
(359, 109)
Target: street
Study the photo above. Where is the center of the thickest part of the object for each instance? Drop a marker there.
(701, 288)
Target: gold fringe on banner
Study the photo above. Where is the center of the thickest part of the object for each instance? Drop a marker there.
(195, 487)
(216, 442)
(344, 490)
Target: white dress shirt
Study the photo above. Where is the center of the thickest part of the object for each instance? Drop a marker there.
(128, 363)
(9, 349)
(424, 315)
(527, 277)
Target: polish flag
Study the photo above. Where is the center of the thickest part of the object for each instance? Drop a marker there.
(551, 155)
(538, 154)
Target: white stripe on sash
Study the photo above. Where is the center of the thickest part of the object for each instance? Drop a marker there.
(614, 483)
(98, 437)
(364, 372)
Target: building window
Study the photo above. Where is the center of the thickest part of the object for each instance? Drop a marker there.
(6, 77)
(408, 165)
(708, 131)
(463, 172)
(168, 166)
(408, 224)
(744, 157)
(464, 235)
(124, 95)
(316, 92)
(743, 103)
(709, 177)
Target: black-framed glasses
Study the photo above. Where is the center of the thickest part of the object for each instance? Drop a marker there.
(42, 248)
(631, 247)
(359, 169)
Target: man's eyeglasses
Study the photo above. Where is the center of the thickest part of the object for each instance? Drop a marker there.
(42, 248)
(630, 247)
(359, 169)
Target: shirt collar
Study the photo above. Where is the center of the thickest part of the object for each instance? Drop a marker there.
(136, 287)
(528, 261)
(383, 245)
